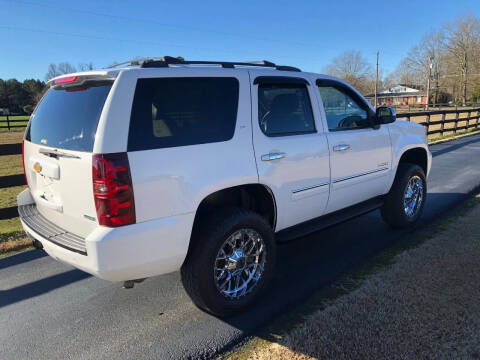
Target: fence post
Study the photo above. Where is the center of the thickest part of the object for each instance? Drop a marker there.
(8, 122)
(468, 120)
(476, 122)
(442, 125)
(456, 122)
(428, 122)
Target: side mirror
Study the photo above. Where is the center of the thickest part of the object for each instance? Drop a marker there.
(385, 115)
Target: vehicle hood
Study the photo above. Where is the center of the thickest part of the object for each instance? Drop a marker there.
(409, 128)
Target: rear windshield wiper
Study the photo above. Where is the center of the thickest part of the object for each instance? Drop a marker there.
(56, 154)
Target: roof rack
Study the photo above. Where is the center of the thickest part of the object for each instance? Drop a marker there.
(165, 61)
(133, 62)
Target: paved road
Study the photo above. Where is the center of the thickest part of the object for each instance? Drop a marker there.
(49, 310)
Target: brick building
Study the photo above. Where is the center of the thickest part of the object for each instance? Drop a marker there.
(399, 95)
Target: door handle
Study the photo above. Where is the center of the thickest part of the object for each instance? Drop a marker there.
(273, 156)
(342, 147)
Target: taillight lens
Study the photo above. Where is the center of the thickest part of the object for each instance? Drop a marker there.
(66, 80)
(112, 189)
(23, 162)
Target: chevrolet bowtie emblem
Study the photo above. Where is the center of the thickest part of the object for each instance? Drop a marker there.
(37, 167)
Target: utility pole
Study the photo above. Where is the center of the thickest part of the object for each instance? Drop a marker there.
(430, 66)
(376, 82)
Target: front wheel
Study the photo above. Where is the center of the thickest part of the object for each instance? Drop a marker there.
(405, 202)
(231, 262)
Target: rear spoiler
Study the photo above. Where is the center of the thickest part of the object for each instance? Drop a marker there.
(80, 80)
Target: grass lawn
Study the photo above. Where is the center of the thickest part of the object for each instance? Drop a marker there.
(10, 165)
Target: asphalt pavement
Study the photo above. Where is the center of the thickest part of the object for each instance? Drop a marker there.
(49, 310)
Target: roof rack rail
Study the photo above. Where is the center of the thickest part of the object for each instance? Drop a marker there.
(165, 61)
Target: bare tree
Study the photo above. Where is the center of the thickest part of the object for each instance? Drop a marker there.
(389, 81)
(85, 66)
(56, 70)
(52, 72)
(66, 68)
(429, 54)
(406, 75)
(462, 44)
(352, 67)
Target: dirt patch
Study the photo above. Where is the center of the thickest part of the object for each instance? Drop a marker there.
(425, 305)
(14, 241)
(11, 137)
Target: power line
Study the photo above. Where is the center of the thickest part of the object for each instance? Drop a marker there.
(107, 38)
(135, 41)
(158, 23)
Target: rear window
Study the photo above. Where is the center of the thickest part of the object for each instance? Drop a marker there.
(169, 112)
(68, 119)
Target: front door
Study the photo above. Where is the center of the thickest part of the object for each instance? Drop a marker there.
(290, 147)
(360, 155)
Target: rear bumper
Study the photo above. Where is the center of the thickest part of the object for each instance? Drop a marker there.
(129, 252)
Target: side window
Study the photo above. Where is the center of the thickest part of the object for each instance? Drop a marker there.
(342, 111)
(284, 109)
(169, 112)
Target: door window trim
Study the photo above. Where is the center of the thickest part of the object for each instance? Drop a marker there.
(280, 80)
(350, 92)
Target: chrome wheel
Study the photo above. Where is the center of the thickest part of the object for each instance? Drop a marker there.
(413, 196)
(240, 263)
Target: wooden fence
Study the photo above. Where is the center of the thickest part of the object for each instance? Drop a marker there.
(460, 116)
(438, 126)
(10, 180)
(12, 122)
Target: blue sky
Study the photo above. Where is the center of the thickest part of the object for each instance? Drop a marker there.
(307, 34)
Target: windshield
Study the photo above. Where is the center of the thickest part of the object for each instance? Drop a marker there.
(68, 118)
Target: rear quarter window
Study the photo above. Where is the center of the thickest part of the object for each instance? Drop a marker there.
(68, 119)
(170, 112)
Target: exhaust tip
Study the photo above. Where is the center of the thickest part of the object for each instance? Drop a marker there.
(35, 243)
(129, 284)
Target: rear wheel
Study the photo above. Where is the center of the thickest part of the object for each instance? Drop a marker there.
(406, 199)
(230, 263)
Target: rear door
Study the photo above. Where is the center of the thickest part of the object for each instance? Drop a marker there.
(189, 136)
(58, 150)
(290, 146)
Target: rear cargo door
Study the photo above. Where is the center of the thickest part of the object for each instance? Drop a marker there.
(58, 149)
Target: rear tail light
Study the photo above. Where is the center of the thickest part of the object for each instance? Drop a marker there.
(23, 162)
(112, 189)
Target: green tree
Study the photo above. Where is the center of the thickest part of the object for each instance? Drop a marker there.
(12, 95)
(17, 96)
(35, 89)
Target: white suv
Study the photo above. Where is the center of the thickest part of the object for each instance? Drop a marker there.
(204, 166)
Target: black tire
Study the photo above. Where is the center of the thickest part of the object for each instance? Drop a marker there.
(198, 271)
(393, 211)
